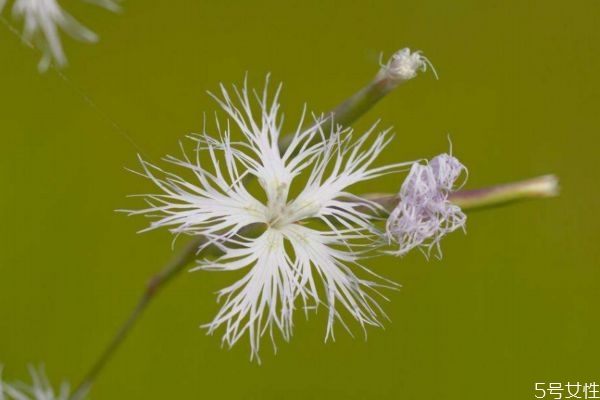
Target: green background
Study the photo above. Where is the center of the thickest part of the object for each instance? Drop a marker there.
(513, 302)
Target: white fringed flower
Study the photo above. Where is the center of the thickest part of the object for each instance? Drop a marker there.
(312, 236)
(424, 214)
(39, 389)
(42, 21)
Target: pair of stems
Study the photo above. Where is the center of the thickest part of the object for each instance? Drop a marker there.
(344, 114)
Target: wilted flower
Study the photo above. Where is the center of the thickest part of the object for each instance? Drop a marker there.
(404, 65)
(316, 233)
(424, 213)
(39, 389)
(42, 20)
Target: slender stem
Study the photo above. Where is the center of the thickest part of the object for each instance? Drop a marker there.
(344, 114)
(171, 269)
(355, 106)
(488, 197)
(499, 195)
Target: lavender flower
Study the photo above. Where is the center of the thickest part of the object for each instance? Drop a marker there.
(424, 214)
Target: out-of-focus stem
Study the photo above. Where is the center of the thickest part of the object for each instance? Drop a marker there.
(361, 102)
(492, 196)
(402, 67)
(172, 268)
(351, 109)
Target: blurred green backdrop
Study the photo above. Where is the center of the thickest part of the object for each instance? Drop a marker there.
(513, 302)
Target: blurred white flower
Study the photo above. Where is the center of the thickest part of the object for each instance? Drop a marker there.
(39, 389)
(313, 230)
(42, 21)
(424, 214)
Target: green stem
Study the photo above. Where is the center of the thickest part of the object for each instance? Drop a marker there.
(499, 195)
(171, 269)
(355, 106)
(492, 196)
